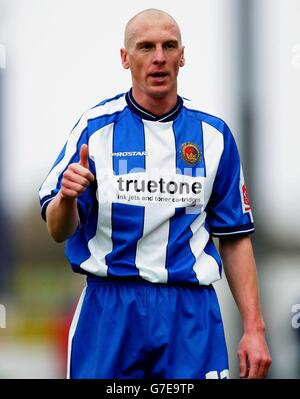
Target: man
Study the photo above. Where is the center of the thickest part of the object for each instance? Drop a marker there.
(141, 187)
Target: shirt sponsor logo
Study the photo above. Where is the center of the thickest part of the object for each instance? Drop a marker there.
(190, 153)
(159, 186)
(129, 154)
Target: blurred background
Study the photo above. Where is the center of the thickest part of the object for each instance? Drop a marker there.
(61, 57)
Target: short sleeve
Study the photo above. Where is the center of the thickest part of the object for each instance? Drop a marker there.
(69, 154)
(228, 210)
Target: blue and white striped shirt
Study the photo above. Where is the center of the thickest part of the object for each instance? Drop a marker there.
(164, 187)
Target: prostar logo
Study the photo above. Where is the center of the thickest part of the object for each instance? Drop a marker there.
(129, 154)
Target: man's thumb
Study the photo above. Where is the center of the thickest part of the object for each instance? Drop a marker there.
(84, 156)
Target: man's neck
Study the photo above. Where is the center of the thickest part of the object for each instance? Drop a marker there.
(156, 105)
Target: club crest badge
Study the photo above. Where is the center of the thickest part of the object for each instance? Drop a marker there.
(190, 153)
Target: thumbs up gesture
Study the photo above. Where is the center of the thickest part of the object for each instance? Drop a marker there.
(84, 156)
(78, 176)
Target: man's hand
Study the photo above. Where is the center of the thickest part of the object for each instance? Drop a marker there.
(77, 177)
(254, 356)
(62, 213)
(240, 269)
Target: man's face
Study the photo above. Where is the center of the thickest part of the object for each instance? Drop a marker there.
(154, 54)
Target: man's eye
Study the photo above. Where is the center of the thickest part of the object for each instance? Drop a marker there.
(170, 45)
(146, 46)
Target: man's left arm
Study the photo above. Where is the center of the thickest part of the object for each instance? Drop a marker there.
(240, 269)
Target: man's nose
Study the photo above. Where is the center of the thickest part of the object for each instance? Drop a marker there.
(159, 56)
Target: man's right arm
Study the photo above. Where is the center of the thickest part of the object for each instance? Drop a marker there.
(62, 213)
(62, 217)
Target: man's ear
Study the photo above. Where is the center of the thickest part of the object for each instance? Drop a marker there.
(182, 59)
(124, 58)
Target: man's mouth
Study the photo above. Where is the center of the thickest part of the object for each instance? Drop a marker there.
(159, 76)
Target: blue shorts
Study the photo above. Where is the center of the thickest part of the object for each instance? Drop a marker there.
(140, 330)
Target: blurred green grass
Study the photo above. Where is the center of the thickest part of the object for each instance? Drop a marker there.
(42, 296)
